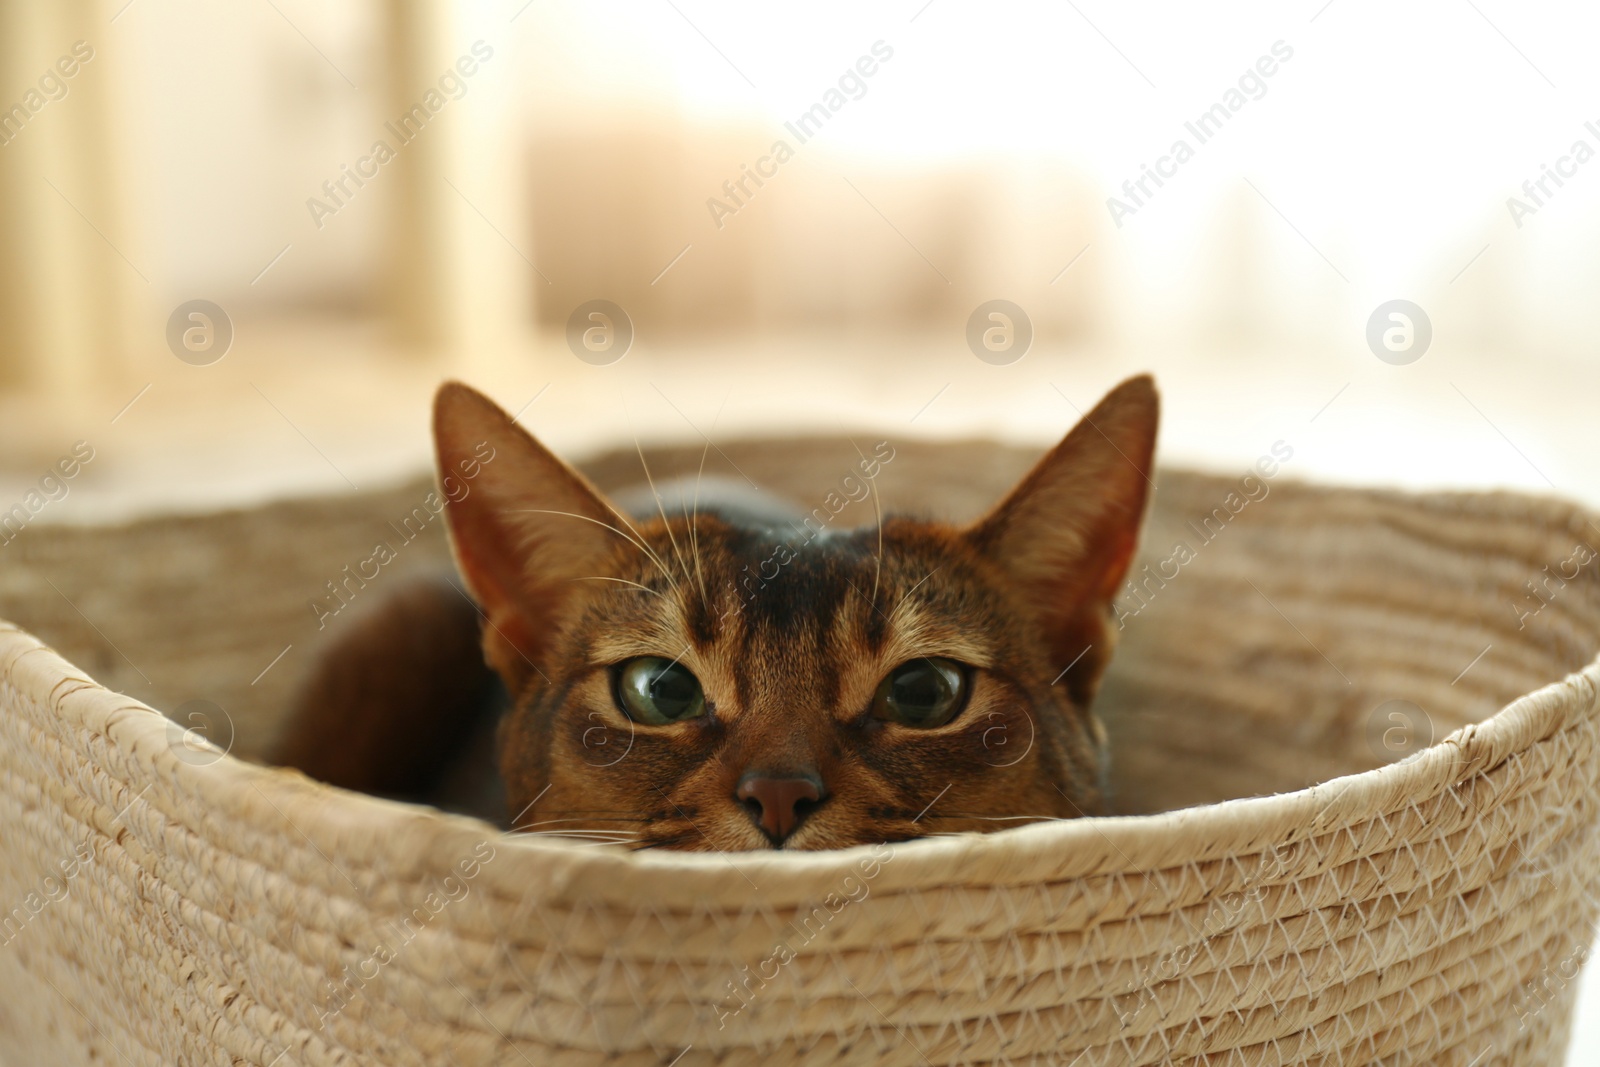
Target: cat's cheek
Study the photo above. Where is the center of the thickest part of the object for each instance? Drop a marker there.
(598, 738)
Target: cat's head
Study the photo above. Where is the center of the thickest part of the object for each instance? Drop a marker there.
(699, 681)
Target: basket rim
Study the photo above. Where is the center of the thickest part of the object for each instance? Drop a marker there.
(425, 840)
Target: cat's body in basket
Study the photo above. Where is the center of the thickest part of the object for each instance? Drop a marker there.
(708, 670)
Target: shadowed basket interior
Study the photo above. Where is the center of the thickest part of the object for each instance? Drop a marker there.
(1311, 903)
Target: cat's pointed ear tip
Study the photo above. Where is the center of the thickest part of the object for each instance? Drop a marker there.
(1140, 387)
(454, 394)
(457, 406)
(1134, 404)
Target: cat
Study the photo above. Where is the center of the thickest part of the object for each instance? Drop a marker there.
(713, 672)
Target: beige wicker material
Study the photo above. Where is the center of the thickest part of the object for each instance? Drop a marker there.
(1431, 911)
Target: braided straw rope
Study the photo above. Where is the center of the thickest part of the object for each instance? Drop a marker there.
(1429, 911)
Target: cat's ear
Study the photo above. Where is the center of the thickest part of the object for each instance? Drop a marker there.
(524, 526)
(1068, 531)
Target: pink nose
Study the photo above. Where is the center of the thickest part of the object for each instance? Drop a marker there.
(780, 803)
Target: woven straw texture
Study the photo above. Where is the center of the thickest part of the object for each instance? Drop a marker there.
(1317, 904)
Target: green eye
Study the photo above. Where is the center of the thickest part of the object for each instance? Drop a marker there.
(659, 691)
(922, 693)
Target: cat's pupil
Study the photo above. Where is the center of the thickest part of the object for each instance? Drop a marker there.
(673, 690)
(653, 690)
(924, 692)
(920, 689)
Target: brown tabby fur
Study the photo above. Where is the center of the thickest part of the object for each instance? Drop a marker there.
(569, 586)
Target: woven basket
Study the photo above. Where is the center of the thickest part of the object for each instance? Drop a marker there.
(194, 908)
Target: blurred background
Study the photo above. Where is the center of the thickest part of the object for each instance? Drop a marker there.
(241, 243)
(798, 209)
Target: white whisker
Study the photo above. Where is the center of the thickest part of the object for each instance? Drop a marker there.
(628, 522)
(636, 542)
(1003, 818)
(623, 581)
(901, 602)
(694, 524)
(660, 507)
(877, 510)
